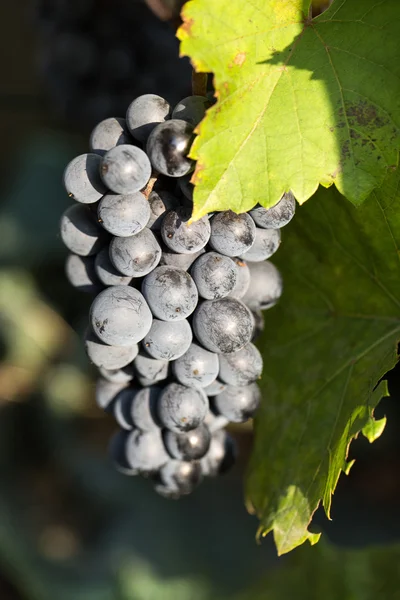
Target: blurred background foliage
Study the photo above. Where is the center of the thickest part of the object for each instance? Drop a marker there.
(70, 526)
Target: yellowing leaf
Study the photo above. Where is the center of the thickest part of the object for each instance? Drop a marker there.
(300, 101)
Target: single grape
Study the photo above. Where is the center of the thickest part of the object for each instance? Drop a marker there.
(180, 236)
(168, 146)
(124, 375)
(242, 367)
(232, 234)
(82, 179)
(117, 451)
(106, 393)
(179, 477)
(215, 275)
(144, 113)
(145, 451)
(265, 245)
(152, 369)
(137, 408)
(265, 286)
(171, 293)
(125, 169)
(190, 445)
(197, 368)
(214, 388)
(80, 232)
(238, 404)
(221, 455)
(107, 134)
(168, 340)
(159, 202)
(124, 215)
(106, 271)
(81, 274)
(242, 281)
(144, 409)
(181, 408)
(191, 109)
(137, 255)
(120, 316)
(182, 261)
(277, 216)
(223, 326)
(109, 357)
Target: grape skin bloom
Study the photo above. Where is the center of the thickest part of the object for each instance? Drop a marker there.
(238, 404)
(136, 255)
(266, 243)
(82, 179)
(232, 234)
(144, 113)
(125, 169)
(145, 451)
(168, 340)
(124, 215)
(191, 109)
(215, 275)
(106, 271)
(242, 367)
(171, 293)
(181, 408)
(181, 237)
(120, 316)
(109, 357)
(197, 368)
(81, 273)
(224, 325)
(80, 232)
(107, 134)
(277, 216)
(265, 286)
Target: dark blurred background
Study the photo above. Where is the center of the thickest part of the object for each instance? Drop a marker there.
(70, 526)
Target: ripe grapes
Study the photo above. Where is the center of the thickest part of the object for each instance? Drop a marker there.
(178, 303)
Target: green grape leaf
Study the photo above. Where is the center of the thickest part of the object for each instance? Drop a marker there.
(330, 573)
(300, 101)
(326, 346)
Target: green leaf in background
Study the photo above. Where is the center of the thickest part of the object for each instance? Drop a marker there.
(328, 573)
(331, 573)
(326, 346)
(300, 101)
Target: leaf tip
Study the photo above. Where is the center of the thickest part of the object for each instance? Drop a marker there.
(374, 429)
(347, 467)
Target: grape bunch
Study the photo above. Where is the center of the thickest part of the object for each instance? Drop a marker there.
(178, 303)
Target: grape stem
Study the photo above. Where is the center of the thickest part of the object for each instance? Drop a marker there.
(149, 187)
(199, 84)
